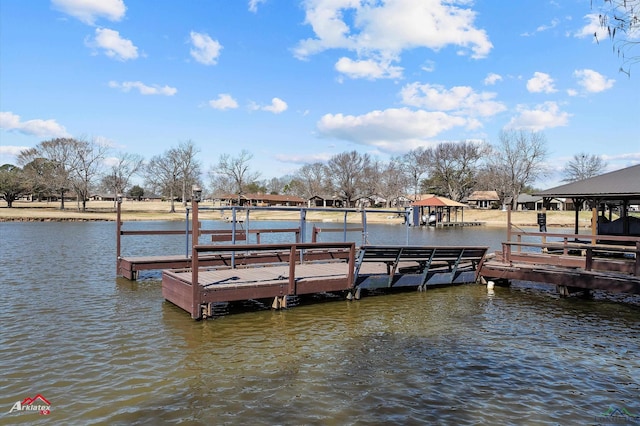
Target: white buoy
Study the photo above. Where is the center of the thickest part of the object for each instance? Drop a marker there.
(490, 285)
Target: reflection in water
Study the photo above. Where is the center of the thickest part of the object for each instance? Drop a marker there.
(105, 350)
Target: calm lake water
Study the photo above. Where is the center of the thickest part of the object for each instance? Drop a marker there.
(104, 350)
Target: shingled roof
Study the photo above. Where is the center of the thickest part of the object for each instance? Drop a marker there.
(621, 184)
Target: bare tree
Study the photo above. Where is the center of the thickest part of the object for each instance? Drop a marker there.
(392, 182)
(454, 167)
(311, 180)
(415, 164)
(517, 162)
(583, 166)
(235, 171)
(123, 168)
(162, 174)
(85, 168)
(277, 185)
(621, 20)
(38, 173)
(220, 185)
(349, 173)
(185, 155)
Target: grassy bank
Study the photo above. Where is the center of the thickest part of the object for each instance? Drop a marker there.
(157, 210)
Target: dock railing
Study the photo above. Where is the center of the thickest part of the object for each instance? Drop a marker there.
(591, 252)
(192, 227)
(298, 253)
(619, 253)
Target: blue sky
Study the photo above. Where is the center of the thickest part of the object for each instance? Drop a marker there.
(295, 82)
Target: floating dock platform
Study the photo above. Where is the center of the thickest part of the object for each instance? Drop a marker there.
(310, 268)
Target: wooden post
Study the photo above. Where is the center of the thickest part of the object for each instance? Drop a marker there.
(292, 270)
(509, 224)
(118, 234)
(594, 224)
(195, 286)
(544, 235)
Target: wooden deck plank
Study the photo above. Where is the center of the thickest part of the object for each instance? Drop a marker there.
(241, 276)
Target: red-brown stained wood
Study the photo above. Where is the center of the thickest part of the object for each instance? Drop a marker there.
(581, 264)
(177, 292)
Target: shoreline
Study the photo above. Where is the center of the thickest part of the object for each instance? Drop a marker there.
(158, 210)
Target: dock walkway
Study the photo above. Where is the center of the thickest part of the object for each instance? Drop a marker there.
(310, 268)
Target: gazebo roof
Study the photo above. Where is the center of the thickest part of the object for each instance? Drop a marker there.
(620, 185)
(436, 201)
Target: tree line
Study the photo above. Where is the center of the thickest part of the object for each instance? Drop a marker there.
(59, 167)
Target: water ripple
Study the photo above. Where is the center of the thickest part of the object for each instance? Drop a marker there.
(108, 351)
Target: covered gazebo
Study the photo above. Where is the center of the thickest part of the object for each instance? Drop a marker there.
(436, 210)
(617, 190)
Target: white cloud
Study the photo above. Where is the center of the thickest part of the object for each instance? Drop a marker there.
(11, 150)
(253, 5)
(629, 157)
(277, 106)
(8, 153)
(459, 99)
(369, 68)
(382, 30)
(547, 115)
(428, 66)
(540, 82)
(492, 78)
(205, 50)
(316, 157)
(114, 46)
(224, 101)
(592, 81)
(391, 130)
(554, 23)
(126, 86)
(592, 27)
(41, 128)
(88, 11)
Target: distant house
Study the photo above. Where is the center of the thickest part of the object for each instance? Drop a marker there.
(533, 202)
(262, 200)
(102, 197)
(483, 199)
(324, 201)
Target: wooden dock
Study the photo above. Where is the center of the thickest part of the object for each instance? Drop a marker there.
(456, 224)
(570, 262)
(310, 268)
(288, 269)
